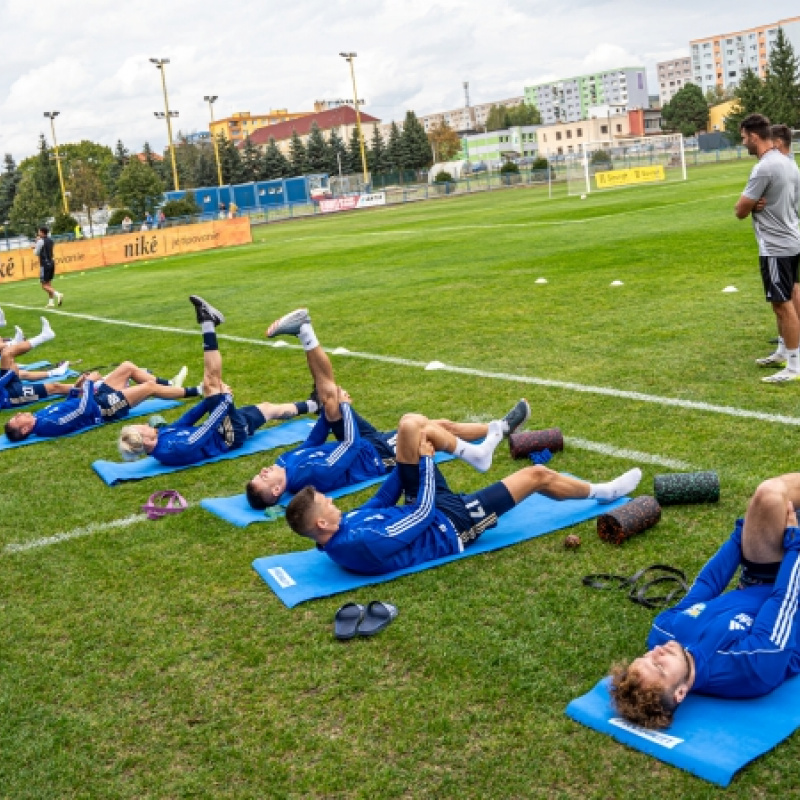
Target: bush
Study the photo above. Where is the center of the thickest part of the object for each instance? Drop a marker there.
(184, 207)
(443, 177)
(540, 163)
(509, 167)
(600, 157)
(116, 218)
(63, 223)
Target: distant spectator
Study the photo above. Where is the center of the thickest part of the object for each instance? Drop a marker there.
(127, 224)
(233, 210)
(161, 219)
(148, 221)
(223, 211)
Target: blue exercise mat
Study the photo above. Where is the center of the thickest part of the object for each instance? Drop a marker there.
(236, 510)
(70, 373)
(35, 365)
(309, 574)
(150, 406)
(114, 472)
(709, 737)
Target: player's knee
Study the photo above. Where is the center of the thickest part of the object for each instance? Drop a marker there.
(411, 425)
(769, 493)
(539, 475)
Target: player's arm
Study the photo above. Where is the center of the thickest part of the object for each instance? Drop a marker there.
(85, 393)
(745, 206)
(205, 431)
(319, 433)
(388, 494)
(196, 412)
(756, 189)
(717, 572)
(347, 450)
(6, 379)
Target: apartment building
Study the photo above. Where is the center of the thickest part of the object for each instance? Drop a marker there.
(569, 100)
(672, 77)
(494, 147)
(721, 60)
(563, 138)
(237, 127)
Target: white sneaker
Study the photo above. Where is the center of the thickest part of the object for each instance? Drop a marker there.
(180, 377)
(2, 319)
(772, 360)
(59, 298)
(19, 336)
(51, 303)
(784, 376)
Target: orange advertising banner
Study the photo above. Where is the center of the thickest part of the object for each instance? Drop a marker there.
(18, 265)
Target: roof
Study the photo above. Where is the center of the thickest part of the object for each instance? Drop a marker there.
(333, 118)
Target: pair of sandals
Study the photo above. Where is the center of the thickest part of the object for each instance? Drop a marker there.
(353, 620)
(656, 586)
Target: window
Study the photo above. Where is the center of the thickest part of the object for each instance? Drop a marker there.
(558, 136)
(619, 128)
(579, 133)
(604, 129)
(544, 137)
(561, 151)
(569, 134)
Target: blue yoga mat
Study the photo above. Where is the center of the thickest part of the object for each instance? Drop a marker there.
(309, 574)
(150, 406)
(236, 510)
(71, 373)
(709, 737)
(114, 472)
(35, 365)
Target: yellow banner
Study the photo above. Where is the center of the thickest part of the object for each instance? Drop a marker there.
(623, 177)
(17, 265)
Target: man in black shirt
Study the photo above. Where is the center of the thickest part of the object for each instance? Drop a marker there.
(44, 250)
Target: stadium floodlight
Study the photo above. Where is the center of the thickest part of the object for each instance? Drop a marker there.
(349, 58)
(51, 115)
(160, 62)
(211, 99)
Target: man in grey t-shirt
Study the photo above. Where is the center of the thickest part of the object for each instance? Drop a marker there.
(776, 228)
(44, 250)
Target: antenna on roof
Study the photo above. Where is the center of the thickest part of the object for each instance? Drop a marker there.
(466, 94)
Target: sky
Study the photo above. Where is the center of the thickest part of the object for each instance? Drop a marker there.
(89, 59)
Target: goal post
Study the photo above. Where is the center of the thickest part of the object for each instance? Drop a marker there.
(634, 161)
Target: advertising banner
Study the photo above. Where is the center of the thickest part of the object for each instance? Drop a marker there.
(17, 265)
(623, 177)
(352, 202)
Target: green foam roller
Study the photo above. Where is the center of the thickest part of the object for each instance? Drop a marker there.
(157, 421)
(681, 488)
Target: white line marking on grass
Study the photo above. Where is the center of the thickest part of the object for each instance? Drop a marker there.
(86, 530)
(641, 397)
(630, 455)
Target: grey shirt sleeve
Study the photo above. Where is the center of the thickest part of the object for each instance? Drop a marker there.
(38, 247)
(760, 179)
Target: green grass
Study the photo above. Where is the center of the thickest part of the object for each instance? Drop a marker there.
(150, 661)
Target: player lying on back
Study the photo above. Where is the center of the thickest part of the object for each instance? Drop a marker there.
(381, 537)
(225, 428)
(359, 452)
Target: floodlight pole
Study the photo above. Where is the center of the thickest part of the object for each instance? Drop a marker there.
(160, 62)
(349, 58)
(211, 99)
(51, 115)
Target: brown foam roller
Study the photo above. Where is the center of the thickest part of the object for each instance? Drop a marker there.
(526, 442)
(635, 517)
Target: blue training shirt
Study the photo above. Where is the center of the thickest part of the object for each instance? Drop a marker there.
(330, 465)
(382, 537)
(744, 642)
(182, 443)
(5, 398)
(78, 411)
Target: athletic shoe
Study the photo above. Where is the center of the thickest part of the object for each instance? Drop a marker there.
(51, 303)
(59, 298)
(2, 319)
(60, 370)
(290, 324)
(784, 376)
(19, 336)
(772, 360)
(180, 377)
(518, 415)
(206, 312)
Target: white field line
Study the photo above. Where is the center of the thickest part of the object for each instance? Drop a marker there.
(640, 397)
(86, 530)
(630, 455)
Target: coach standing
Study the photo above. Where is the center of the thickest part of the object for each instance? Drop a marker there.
(45, 251)
(775, 225)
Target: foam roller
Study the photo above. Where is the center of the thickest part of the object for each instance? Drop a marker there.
(635, 517)
(526, 442)
(686, 487)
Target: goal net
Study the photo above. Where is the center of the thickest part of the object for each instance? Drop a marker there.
(635, 161)
(796, 141)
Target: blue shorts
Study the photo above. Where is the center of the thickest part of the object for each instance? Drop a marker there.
(113, 403)
(385, 444)
(20, 394)
(471, 514)
(245, 422)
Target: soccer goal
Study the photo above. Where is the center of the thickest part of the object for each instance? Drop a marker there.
(601, 166)
(795, 141)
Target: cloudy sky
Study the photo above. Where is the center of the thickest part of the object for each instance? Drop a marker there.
(89, 59)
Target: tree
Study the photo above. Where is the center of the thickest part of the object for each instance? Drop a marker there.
(297, 155)
(121, 156)
(139, 188)
(275, 164)
(716, 95)
(252, 167)
(687, 112)
(337, 154)
(782, 84)
(523, 114)
(396, 152)
(354, 153)
(185, 207)
(317, 157)
(9, 183)
(496, 118)
(376, 155)
(63, 223)
(45, 173)
(86, 189)
(417, 144)
(99, 157)
(206, 174)
(231, 162)
(31, 208)
(749, 99)
(445, 142)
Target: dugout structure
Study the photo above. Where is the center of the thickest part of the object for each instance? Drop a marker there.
(635, 161)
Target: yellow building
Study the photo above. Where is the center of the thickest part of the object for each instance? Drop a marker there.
(238, 126)
(718, 114)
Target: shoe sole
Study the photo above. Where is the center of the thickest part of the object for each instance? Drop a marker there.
(289, 325)
(526, 417)
(762, 363)
(780, 380)
(217, 316)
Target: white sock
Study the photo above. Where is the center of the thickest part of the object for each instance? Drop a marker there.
(619, 487)
(45, 336)
(313, 407)
(58, 372)
(793, 360)
(781, 351)
(307, 337)
(2, 318)
(207, 327)
(480, 455)
(19, 336)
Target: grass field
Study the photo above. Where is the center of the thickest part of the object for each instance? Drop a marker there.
(148, 660)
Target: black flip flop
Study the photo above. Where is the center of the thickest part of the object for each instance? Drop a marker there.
(378, 616)
(347, 620)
